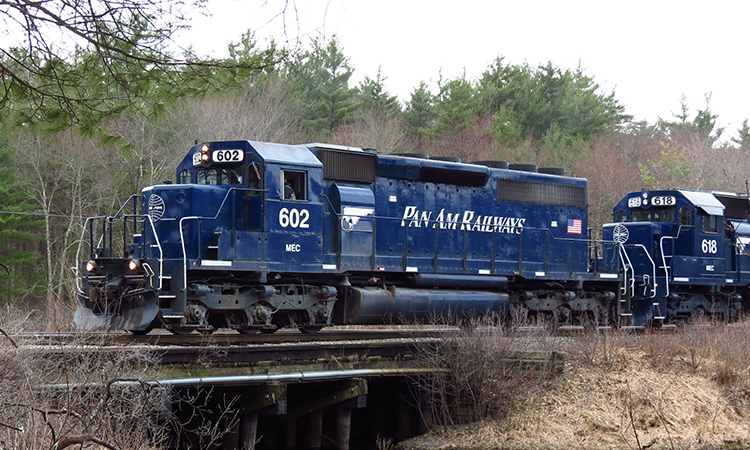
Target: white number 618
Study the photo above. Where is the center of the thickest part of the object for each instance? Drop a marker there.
(709, 246)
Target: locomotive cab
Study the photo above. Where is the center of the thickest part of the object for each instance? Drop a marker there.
(197, 238)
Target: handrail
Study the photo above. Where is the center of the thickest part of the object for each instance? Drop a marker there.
(182, 233)
(626, 267)
(547, 233)
(161, 254)
(108, 220)
(653, 264)
(663, 257)
(75, 269)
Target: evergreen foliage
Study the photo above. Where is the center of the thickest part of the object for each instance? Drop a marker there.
(456, 106)
(322, 76)
(20, 253)
(420, 114)
(528, 101)
(373, 96)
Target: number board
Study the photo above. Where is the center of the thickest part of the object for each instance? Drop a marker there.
(228, 156)
(663, 201)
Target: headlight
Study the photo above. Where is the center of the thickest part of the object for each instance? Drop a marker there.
(205, 150)
(91, 267)
(134, 265)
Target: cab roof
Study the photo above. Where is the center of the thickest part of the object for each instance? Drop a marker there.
(705, 201)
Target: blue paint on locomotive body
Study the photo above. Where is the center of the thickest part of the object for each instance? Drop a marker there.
(443, 227)
(398, 222)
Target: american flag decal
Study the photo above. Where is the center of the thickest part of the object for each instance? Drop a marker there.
(574, 226)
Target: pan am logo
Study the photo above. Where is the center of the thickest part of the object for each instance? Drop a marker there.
(620, 234)
(351, 216)
(155, 207)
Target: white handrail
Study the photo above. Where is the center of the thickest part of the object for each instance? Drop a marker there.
(182, 234)
(629, 264)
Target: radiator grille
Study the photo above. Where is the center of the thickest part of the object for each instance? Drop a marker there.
(541, 193)
(348, 166)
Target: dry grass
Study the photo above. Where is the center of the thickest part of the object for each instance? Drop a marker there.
(75, 395)
(624, 391)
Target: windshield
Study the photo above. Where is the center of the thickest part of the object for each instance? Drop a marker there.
(223, 176)
(653, 214)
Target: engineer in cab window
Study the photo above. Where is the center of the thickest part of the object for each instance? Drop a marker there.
(294, 185)
(289, 190)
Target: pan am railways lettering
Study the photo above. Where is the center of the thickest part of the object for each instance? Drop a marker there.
(461, 221)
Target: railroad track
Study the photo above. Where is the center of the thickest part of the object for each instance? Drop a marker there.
(225, 337)
(229, 337)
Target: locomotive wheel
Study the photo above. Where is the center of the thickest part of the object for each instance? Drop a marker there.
(140, 332)
(179, 331)
(310, 329)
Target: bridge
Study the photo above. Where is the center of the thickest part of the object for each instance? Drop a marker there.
(289, 390)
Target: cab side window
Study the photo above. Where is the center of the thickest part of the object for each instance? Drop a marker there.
(684, 215)
(710, 223)
(294, 185)
(254, 177)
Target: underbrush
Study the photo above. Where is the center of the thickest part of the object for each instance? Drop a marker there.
(482, 370)
(659, 389)
(75, 395)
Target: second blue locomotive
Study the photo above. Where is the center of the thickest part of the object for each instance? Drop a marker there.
(681, 254)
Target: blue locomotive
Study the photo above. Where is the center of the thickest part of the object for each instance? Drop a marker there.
(681, 254)
(257, 236)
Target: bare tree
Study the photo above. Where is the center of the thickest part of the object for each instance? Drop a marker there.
(375, 129)
(267, 109)
(78, 62)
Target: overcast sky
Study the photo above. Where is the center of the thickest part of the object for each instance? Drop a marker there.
(650, 52)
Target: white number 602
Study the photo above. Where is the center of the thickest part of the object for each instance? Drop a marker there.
(294, 218)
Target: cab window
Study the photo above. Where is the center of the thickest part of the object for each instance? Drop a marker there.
(254, 177)
(710, 223)
(294, 185)
(685, 216)
(184, 177)
(653, 215)
(621, 216)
